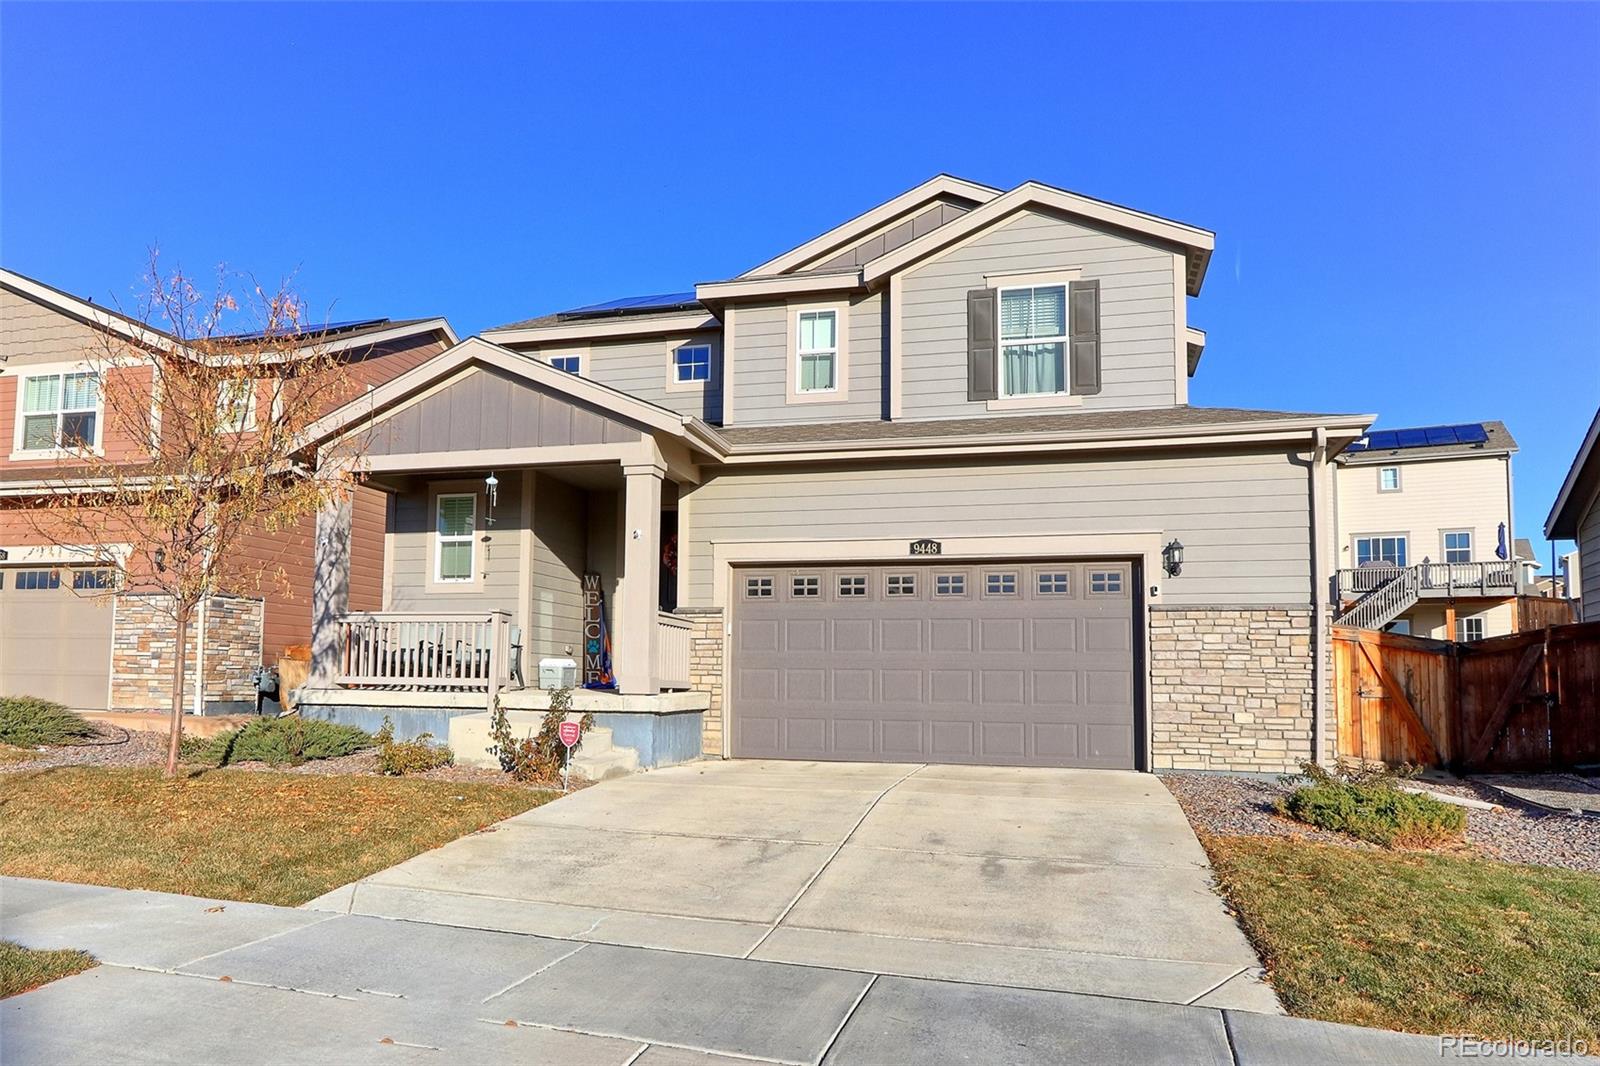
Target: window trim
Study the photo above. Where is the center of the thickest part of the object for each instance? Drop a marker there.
(679, 366)
(1398, 479)
(1444, 545)
(865, 586)
(1460, 637)
(890, 591)
(753, 582)
(1042, 572)
(1065, 339)
(44, 370)
(438, 491)
(1355, 546)
(1014, 573)
(246, 424)
(581, 357)
(964, 592)
(841, 354)
(1119, 572)
(797, 581)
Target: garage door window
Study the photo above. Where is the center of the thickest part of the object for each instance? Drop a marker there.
(1105, 582)
(92, 579)
(900, 585)
(1054, 583)
(852, 585)
(806, 586)
(950, 585)
(758, 588)
(1000, 584)
(38, 580)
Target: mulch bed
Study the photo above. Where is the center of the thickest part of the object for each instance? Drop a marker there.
(1239, 806)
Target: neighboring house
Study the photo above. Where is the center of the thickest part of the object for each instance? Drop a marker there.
(61, 636)
(1426, 544)
(927, 487)
(1576, 516)
(1572, 575)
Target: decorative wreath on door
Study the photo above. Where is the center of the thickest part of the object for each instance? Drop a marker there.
(669, 554)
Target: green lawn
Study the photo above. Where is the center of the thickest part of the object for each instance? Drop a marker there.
(233, 834)
(24, 969)
(1420, 942)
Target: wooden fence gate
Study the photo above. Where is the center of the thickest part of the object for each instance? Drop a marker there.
(1529, 701)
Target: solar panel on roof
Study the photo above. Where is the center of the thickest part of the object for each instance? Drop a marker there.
(1411, 438)
(636, 303)
(1441, 434)
(1472, 434)
(330, 327)
(1421, 437)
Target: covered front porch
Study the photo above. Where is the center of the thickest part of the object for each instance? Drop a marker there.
(529, 543)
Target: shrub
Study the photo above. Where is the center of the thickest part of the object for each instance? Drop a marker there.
(1369, 805)
(400, 757)
(535, 758)
(28, 721)
(288, 741)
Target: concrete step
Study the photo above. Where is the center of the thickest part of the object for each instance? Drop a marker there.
(596, 741)
(618, 762)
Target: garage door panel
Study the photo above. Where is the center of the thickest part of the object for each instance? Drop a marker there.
(981, 663)
(55, 635)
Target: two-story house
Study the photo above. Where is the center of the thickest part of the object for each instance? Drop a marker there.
(1426, 542)
(1575, 515)
(926, 487)
(66, 632)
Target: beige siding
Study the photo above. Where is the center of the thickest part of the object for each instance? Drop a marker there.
(1138, 296)
(1428, 619)
(559, 557)
(1243, 518)
(1589, 561)
(761, 364)
(33, 333)
(642, 367)
(1435, 495)
(498, 552)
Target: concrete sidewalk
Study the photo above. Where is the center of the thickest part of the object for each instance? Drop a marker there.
(189, 980)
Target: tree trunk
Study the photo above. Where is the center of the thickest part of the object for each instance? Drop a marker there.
(180, 652)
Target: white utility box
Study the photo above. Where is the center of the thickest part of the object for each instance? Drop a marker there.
(558, 673)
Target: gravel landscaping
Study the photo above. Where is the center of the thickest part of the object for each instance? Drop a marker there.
(1221, 805)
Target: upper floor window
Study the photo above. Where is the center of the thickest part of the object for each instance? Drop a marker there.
(1458, 546)
(817, 351)
(236, 405)
(457, 523)
(1380, 551)
(60, 411)
(572, 364)
(1389, 479)
(1033, 340)
(692, 362)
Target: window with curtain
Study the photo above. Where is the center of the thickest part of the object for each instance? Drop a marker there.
(817, 351)
(458, 520)
(59, 411)
(1038, 316)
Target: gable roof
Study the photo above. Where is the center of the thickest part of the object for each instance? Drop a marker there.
(1497, 440)
(1579, 489)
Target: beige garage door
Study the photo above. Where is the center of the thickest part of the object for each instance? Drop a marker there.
(1018, 664)
(55, 635)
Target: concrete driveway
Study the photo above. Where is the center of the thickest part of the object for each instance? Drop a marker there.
(1068, 880)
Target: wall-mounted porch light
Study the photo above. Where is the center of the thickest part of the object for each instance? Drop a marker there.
(1172, 558)
(161, 559)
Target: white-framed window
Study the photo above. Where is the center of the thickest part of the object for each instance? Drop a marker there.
(692, 362)
(1381, 549)
(1000, 583)
(1033, 340)
(59, 411)
(38, 580)
(1458, 546)
(1470, 628)
(758, 588)
(457, 533)
(236, 405)
(806, 586)
(817, 351)
(1105, 582)
(572, 364)
(94, 579)
(1054, 583)
(950, 585)
(900, 585)
(851, 585)
(1388, 479)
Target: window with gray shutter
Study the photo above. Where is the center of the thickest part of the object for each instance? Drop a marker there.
(1084, 297)
(983, 381)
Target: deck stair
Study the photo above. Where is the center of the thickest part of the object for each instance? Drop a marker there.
(1397, 593)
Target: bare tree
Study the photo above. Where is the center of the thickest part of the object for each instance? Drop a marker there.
(206, 398)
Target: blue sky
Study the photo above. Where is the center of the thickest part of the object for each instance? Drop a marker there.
(1405, 197)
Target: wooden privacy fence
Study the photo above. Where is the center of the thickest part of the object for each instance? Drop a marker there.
(1529, 701)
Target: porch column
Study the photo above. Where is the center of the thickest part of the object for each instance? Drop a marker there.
(639, 594)
(330, 590)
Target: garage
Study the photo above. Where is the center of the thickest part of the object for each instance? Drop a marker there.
(1002, 663)
(55, 634)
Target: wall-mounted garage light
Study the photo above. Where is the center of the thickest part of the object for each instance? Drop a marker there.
(161, 559)
(1172, 558)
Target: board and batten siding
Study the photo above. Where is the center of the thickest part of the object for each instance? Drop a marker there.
(1435, 495)
(1589, 561)
(1139, 297)
(498, 550)
(761, 363)
(1244, 518)
(643, 367)
(560, 556)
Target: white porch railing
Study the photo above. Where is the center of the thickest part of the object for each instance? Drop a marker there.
(672, 651)
(432, 651)
(1495, 578)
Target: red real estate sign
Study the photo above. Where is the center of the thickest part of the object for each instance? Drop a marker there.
(568, 733)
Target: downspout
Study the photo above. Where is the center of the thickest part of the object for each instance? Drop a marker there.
(1319, 590)
(199, 705)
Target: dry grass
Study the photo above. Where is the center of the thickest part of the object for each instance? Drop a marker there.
(24, 969)
(1418, 942)
(233, 834)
